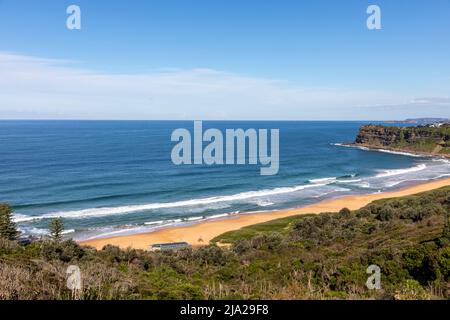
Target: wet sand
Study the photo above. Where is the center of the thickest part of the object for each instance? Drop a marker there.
(201, 233)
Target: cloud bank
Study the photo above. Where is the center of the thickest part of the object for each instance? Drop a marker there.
(38, 88)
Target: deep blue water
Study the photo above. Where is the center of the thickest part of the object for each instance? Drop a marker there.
(112, 177)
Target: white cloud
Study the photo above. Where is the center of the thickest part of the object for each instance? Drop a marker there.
(422, 107)
(432, 100)
(32, 87)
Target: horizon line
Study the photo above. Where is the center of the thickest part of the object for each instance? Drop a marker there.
(236, 120)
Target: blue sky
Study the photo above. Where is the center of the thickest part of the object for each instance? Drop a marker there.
(227, 59)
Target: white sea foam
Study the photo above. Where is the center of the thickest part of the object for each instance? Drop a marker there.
(262, 202)
(108, 211)
(323, 180)
(110, 232)
(161, 222)
(400, 153)
(265, 204)
(217, 216)
(147, 227)
(443, 175)
(409, 154)
(395, 172)
(34, 231)
(363, 184)
(394, 183)
(350, 146)
(331, 180)
(261, 197)
(17, 217)
(155, 222)
(42, 232)
(330, 192)
(194, 218)
(349, 181)
(446, 161)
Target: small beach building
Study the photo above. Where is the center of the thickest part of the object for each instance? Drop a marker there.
(169, 246)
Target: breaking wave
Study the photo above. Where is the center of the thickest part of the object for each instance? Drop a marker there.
(107, 211)
(395, 172)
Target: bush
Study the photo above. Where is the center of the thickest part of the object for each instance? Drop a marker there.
(386, 213)
(345, 213)
(211, 255)
(412, 290)
(363, 213)
(420, 264)
(65, 251)
(319, 256)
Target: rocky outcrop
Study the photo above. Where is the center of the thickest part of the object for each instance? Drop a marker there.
(422, 139)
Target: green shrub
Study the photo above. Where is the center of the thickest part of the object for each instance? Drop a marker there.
(65, 251)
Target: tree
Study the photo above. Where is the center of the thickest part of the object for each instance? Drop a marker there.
(8, 229)
(56, 228)
(345, 213)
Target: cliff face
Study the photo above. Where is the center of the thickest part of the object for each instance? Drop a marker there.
(417, 139)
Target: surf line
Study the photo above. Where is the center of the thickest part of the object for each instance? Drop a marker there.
(216, 152)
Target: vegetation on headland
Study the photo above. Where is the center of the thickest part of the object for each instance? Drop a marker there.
(423, 139)
(321, 256)
(421, 121)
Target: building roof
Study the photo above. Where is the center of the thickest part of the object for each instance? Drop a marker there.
(171, 244)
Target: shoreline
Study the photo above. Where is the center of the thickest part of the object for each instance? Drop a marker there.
(399, 150)
(201, 233)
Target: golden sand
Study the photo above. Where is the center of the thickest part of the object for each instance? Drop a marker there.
(201, 233)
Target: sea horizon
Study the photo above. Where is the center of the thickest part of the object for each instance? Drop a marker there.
(224, 150)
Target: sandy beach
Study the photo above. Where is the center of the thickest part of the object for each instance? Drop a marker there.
(202, 232)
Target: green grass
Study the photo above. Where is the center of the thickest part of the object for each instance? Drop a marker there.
(282, 226)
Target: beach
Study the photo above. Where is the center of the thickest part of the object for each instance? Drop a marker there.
(203, 232)
(114, 188)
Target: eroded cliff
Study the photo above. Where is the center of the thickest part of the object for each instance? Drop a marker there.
(425, 139)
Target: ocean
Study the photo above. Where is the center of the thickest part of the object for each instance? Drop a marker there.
(107, 178)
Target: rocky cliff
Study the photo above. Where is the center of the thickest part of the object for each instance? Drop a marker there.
(423, 139)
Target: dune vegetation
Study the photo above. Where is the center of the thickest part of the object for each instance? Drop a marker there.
(321, 256)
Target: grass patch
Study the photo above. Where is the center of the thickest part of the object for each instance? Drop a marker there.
(282, 226)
